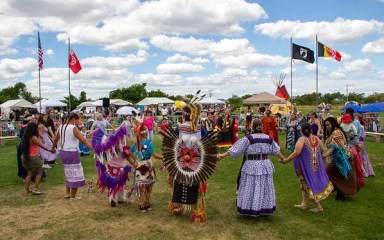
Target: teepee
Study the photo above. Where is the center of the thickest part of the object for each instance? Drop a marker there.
(281, 91)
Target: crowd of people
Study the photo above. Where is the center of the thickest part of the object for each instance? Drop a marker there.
(328, 155)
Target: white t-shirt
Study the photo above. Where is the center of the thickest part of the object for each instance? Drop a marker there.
(68, 140)
(164, 111)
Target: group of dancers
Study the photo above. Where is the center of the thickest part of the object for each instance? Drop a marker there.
(190, 158)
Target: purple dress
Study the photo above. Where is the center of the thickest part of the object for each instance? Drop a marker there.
(367, 166)
(256, 193)
(47, 156)
(311, 171)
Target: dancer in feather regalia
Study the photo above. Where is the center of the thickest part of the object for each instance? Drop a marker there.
(189, 160)
(111, 164)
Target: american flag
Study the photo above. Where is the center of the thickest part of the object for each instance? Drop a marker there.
(41, 63)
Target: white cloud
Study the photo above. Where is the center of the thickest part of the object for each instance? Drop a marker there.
(49, 52)
(117, 62)
(359, 65)
(175, 68)
(340, 30)
(375, 47)
(96, 22)
(201, 47)
(13, 69)
(178, 58)
(252, 60)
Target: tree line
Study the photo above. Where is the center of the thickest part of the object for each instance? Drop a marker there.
(137, 92)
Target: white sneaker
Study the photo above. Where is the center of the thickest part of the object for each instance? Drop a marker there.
(46, 166)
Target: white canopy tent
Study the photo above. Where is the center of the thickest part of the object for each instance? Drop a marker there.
(47, 103)
(211, 101)
(15, 104)
(86, 104)
(117, 102)
(155, 101)
(126, 110)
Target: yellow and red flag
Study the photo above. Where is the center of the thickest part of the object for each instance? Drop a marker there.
(325, 51)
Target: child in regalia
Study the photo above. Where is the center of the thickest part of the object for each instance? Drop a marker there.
(82, 148)
(141, 159)
(111, 154)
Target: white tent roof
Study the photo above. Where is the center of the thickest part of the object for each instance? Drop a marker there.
(154, 101)
(211, 101)
(118, 102)
(17, 103)
(86, 104)
(50, 103)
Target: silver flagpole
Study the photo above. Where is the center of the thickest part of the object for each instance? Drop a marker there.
(38, 67)
(39, 90)
(317, 73)
(69, 76)
(291, 69)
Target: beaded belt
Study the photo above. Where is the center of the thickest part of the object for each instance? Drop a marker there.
(256, 156)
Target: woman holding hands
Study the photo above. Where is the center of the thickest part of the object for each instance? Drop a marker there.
(309, 167)
(256, 191)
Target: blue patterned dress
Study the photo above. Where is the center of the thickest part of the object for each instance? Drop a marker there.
(256, 193)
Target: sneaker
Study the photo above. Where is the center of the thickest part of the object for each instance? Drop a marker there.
(143, 209)
(46, 166)
(148, 208)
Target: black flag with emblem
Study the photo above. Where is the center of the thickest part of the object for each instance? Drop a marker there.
(302, 53)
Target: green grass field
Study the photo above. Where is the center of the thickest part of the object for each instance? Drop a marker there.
(51, 217)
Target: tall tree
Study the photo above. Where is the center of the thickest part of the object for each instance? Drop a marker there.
(16, 92)
(358, 97)
(74, 102)
(235, 101)
(157, 93)
(134, 93)
(83, 97)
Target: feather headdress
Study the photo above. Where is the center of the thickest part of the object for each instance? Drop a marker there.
(192, 108)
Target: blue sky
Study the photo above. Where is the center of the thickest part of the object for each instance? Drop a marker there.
(223, 47)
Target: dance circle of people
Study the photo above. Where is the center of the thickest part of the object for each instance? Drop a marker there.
(327, 157)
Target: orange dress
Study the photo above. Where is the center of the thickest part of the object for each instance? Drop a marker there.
(269, 128)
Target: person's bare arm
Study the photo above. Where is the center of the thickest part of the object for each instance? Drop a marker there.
(51, 134)
(56, 139)
(37, 142)
(298, 147)
(328, 153)
(319, 127)
(157, 156)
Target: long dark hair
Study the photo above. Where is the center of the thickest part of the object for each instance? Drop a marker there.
(306, 129)
(334, 125)
(49, 122)
(30, 131)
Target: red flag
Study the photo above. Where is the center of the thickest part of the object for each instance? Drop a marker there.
(40, 53)
(74, 63)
